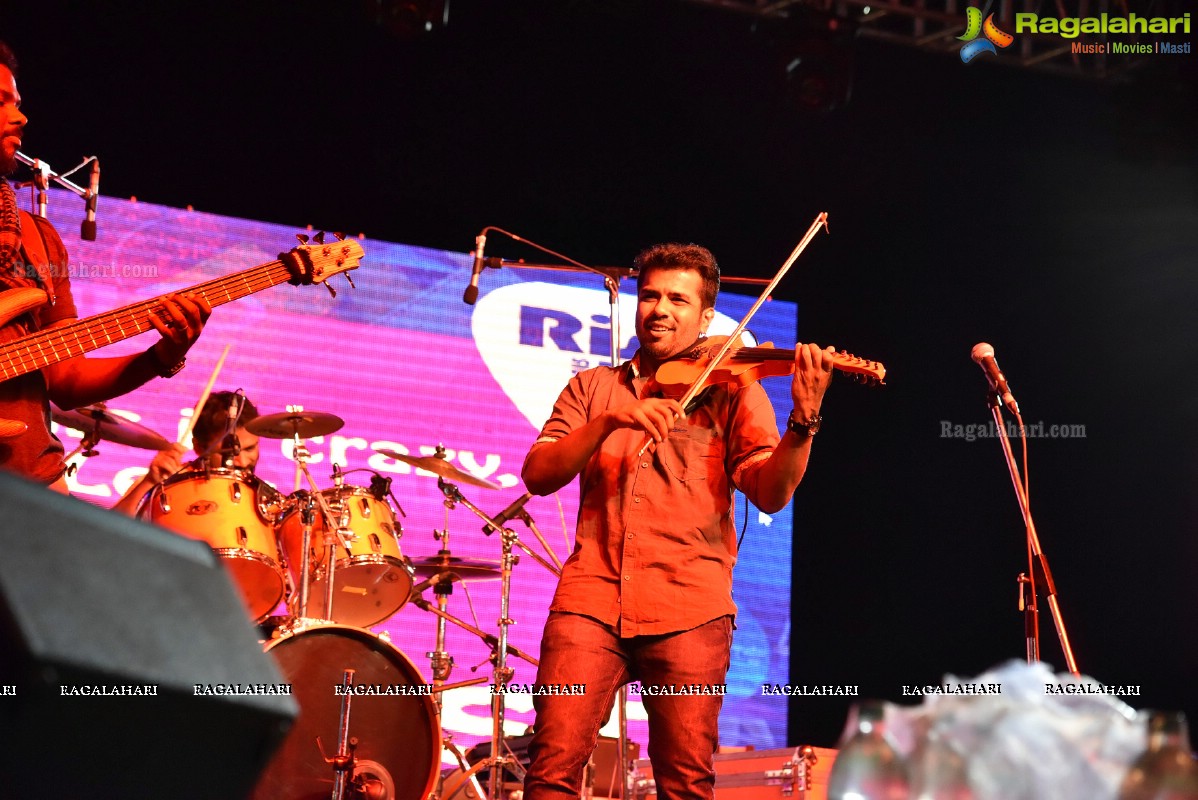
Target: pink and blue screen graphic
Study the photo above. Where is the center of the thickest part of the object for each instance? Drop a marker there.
(410, 367)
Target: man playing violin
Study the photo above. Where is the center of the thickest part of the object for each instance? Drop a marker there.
(32, 256)
(212, 442)
(647, 593)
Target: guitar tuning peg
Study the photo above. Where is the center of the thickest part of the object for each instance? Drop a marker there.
(351, 280)
(340, 236)
(319, 238)
(329, 286)
(303, 238)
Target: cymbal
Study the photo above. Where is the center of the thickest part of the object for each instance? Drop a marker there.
(287, 424)
(111, 427)
(440, 467)
(468, 569)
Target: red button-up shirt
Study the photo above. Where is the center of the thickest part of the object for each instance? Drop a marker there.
(655, 541)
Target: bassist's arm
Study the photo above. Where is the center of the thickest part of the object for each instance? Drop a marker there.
(82, 381)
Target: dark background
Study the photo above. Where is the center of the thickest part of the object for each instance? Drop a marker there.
(1055, 217)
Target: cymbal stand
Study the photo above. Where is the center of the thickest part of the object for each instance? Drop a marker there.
(440, 660)
(87, 446)
(91, 438)
(339, 532)
(307, 518)
(501, 673)
(333, 532)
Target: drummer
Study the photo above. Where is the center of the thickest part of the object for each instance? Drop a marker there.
(211, 443)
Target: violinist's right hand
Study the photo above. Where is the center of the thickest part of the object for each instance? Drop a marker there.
(654, 415)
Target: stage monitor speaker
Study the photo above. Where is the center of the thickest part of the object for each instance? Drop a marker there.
(128, 665)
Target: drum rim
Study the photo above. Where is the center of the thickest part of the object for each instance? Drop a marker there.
(291, 502)
(374, 558)
(426, 700)
(201, 473)
(244, 554)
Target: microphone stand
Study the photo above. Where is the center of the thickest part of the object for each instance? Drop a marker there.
(1037, 561)
(41, 181)
(611, 280)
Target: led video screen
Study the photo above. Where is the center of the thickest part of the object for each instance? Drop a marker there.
(409, 368)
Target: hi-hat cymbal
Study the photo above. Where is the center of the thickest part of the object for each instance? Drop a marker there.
(288, 424)
(439, 467)
(111, 427)
(468, 569)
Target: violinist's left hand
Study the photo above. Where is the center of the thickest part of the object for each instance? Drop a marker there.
(813, 373)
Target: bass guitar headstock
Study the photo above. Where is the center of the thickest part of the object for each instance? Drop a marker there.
(315, 261)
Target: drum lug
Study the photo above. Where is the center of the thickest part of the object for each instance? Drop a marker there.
(236, 492)
(365, 506)
(164, 504)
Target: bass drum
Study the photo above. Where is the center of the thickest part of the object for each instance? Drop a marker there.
(399, 738)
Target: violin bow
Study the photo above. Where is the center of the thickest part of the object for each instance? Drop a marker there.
(820, 220)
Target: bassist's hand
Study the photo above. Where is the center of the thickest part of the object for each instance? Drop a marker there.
(180, 320)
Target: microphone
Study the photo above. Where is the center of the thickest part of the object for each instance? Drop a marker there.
(87, 229)
(508, 513)
(983, 354)
(471, 294)
(231, 445)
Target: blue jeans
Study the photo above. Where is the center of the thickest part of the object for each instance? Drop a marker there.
(683, 730)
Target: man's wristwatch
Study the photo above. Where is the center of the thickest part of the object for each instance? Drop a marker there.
(166, 370)
(803, 429)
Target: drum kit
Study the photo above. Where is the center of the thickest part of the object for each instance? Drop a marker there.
(333, 558)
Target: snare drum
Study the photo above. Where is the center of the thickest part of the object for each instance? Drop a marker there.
(370, 582)
(395, 725)
(230, 509)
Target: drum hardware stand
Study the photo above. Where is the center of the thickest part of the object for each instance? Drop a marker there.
(307, 518)
(501, 673)
(472, 779)
(440, 660)
(343, 761)
(531, 524)
(87, 447)
(334, 533)
(453, 496)
(489, 639)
